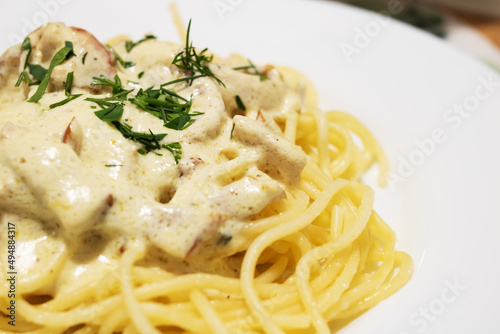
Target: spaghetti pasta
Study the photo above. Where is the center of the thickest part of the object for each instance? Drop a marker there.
(252, 219)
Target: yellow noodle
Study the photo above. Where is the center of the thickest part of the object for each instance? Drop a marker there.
(318, 255)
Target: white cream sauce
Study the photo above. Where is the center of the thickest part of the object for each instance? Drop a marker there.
(74, 185)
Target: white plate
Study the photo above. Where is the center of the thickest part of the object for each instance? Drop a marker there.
(406, 86)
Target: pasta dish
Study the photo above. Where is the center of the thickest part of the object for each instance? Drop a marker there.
(152, 187)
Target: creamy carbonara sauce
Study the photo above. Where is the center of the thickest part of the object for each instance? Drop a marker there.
(148, 187)
(72, 182)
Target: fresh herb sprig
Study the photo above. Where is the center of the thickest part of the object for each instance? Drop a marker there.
(37, 71)
(129, 45)
(65, 53)
(67, 91)
(118, 89)
(113, 115)
(196, 63)
(167, 105)
(163, 103)
(125, 64)
(23, 76)
(151, 141)
(252, 68)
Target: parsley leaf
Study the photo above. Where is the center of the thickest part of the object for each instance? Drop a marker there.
(175, 149)
(111, 114)
(66, 100)
(67, 91)
(179, 122)
(167, 105)
(61, 55)
(119, 93)
(103, 81)
(26, 45)
(23, 76)
(69, 83)
(163, 103)
(37, 71)
(125, 64)
(239, 103)
(129, 45)
(150, 140)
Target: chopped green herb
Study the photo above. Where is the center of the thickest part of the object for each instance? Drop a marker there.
(175, 149)
(83, 58)
(180, 122)
(26, 46)
(167, 105)
(140, 75)
(240, 104)
(66, 100)
(232, 130)
(163, 103)
(103, 81)
(129, 45)
(104, 102)
(67, 91)
(253, 68)
(132, 82)
(37, 71)
(112, 165)
(183, 79)
(224, 239)
(59, 57)
(125, 64)
(110, 114)
(23, 76)
(113, 114)
(119, 93)
(188, 59)
(69, 83)
(150, 140)
(107, 101)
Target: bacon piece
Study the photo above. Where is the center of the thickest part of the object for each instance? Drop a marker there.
(49, 39)
(73, 136)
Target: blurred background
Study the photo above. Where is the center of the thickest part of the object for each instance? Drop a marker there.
(470, 25)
